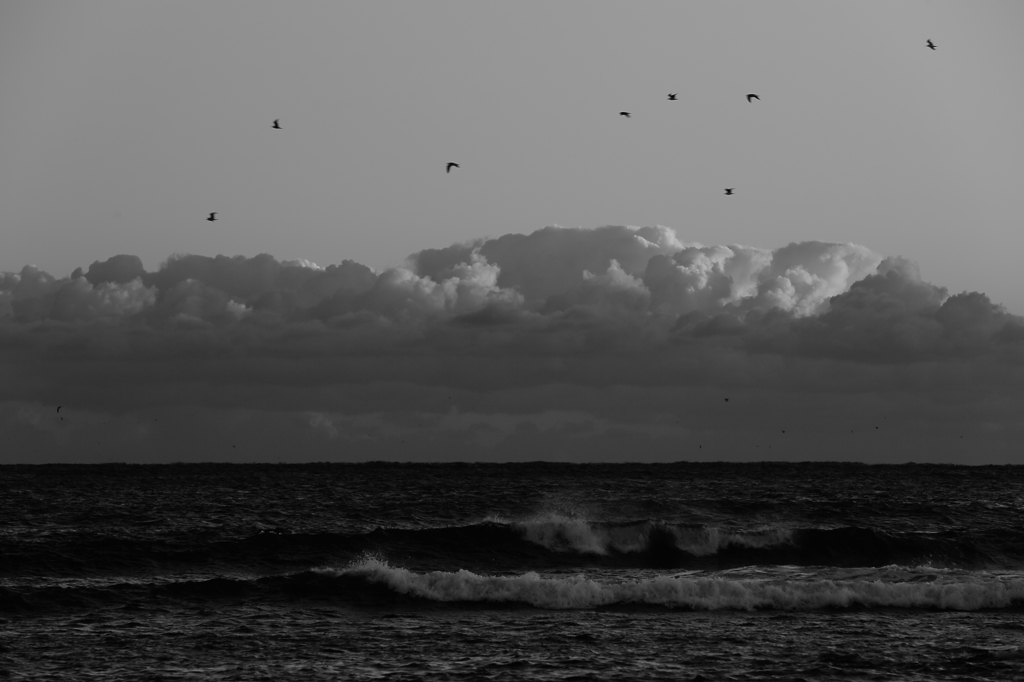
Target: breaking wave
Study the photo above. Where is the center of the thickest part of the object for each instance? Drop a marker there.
(686, 592)
(559, 533)
(372, 582)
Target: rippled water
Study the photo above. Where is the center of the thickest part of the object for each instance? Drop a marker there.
(689, 571)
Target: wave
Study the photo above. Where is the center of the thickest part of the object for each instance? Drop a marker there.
(561, 534)
(372, 582)
(683, 592)
(658, 544)
(495, 545)
(556, 541)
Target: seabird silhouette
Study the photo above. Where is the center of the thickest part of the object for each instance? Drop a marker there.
(624, 113)
(728, 190)
(213, 216)
(930, 44)
(450, 166)
(752, 97)
(672, 96)
(276, 124)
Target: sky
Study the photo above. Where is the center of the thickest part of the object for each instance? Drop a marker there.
(579, 288)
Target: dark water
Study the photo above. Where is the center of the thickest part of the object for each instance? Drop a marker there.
(525, 571)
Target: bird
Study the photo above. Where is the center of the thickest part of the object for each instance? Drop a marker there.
(213, 216)
(277, 124)
(752, 97)
(624, 113)
(930, 44)
(672, 96)
(728, 190)
(451, 165)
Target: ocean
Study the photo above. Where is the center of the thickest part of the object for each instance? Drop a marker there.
(686, 571)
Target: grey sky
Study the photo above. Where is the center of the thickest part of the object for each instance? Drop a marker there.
(875, 180)
(125, 123)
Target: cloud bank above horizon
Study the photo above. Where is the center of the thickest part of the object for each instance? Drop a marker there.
(608, 344)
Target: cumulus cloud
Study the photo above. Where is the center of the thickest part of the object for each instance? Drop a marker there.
(648, 270)
(629, 330)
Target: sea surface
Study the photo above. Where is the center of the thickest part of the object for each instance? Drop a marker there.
(511, 572)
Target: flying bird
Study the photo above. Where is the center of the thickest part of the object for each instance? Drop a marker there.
(672, 96)
(728, 190)
(277, 124)
(752, 97)
(930, 44)
(450, 166)
(624, 113)
(213, 216)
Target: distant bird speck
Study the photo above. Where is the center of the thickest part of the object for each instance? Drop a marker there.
(930, 44)
(450, 166)
(728, 190)
(624, 113)
(726, 400)
(752, 97)
(213, 216)
(277, 124)
(672, 96)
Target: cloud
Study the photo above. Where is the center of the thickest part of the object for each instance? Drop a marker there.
(319, 421)
(628, 339)
(79, 300)
(550, 261)
(894, 316)
(117, 269)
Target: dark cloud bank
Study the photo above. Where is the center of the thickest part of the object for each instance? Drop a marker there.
(588, 345)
